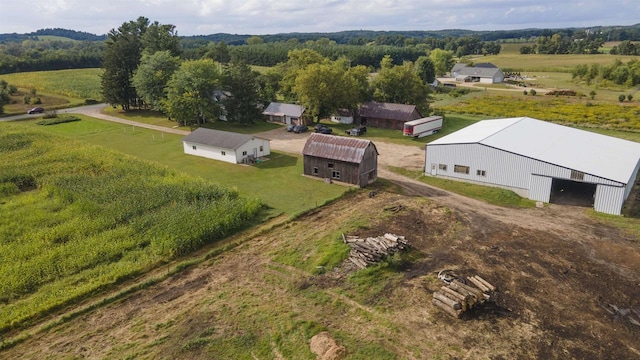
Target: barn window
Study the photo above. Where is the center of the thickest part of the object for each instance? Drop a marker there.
(461, 169)
(223, 153)
(195, 147)
(335, 174)
(330, 165)
(442, 167)
(481, 173)
(577, 175)
(244, 153)
(261, 148)
(315, 171)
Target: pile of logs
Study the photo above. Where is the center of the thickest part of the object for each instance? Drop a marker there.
(458, 297)
(365, 252)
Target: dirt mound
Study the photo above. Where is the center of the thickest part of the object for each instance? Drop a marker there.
(326, 347)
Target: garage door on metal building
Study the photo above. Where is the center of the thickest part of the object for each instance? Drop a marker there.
(540, 188)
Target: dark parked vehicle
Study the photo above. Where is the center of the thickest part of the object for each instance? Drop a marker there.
(357, 131)
(36, 110)
(323, 129)
(290, 128)
(300, 129)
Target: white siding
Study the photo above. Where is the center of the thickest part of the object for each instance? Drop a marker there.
(249, 148)
(210, 152)
(609, 199)
(540, 188)
(342, 119)
(529, 177)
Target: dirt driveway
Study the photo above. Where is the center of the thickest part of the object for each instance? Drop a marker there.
(408, 157)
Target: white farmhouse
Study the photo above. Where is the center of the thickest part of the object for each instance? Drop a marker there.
(225, 146)
(539, 160)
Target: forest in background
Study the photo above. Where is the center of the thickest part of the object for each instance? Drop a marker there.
(57, 49)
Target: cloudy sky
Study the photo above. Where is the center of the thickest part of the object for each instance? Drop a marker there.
(257, 17)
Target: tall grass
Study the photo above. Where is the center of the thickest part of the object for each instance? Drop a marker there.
(74, 83)
(77, 218)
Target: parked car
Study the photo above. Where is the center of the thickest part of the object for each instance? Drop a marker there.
(36, 110)
(357, 131)
(300, 129)
(290, 128)
(323, 129)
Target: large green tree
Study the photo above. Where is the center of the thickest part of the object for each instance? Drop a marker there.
(325, 87)
(425, 69)
(121, 57)
(442, 61)
(153, 75)
(160, 37)
(400, 84)
(191, 92)
(241, 99)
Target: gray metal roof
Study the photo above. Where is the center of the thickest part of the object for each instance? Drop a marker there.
(386, 110)
(482, 70)
(282, 109)
(339, 148)
(599, 155)
(218, 138)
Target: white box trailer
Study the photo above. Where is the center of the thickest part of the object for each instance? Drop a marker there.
(422, 127)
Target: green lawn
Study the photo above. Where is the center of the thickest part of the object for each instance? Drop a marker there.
(278, 182)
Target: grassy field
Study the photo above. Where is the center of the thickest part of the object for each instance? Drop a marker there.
(78, 218)
(278, 181)
(558, 109)
(511, 61)
(77, 84)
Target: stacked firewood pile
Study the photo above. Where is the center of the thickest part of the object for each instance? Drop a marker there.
(365, 252)
(460, 295)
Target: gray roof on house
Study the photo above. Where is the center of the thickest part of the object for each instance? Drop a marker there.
(386, 110)
(485, 70)
(281, 109)
(218, 138)
(339, 148)
(599, 155)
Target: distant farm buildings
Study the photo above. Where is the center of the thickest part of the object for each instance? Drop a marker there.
(344, 159)
(485, 73)
(539, 160)
(288, 114)
(387, 115)
(225, 146)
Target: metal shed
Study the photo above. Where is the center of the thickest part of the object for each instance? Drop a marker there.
(539, 160)
(354, 161)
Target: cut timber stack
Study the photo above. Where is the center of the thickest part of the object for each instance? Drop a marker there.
(365, 252)
(459, 297)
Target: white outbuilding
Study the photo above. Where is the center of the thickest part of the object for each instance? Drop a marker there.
(539, 160)
(225, 146)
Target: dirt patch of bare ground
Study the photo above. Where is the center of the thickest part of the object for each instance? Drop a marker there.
(567, 288)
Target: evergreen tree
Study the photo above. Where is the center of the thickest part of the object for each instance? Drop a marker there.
(241, 101)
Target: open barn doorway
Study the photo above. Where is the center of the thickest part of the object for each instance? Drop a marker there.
(575, 193)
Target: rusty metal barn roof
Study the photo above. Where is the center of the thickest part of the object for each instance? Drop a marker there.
(337, 147)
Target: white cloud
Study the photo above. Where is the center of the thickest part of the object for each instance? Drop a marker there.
(196, 17)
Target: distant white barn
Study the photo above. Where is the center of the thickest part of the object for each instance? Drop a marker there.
(485, 73)
(539, 160)
(225, 146)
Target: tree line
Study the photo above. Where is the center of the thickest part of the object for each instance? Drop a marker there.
(145, 67)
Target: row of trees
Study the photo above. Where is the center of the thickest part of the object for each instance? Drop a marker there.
(560, 43)
(143, 68)
(34, 55)
(625, 48)
(618, 72)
